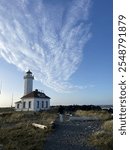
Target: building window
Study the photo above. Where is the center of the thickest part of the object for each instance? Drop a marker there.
(24, 104)
(46, 104)
(42, 104)
(37, 104)
(29, 104)
(17, 105)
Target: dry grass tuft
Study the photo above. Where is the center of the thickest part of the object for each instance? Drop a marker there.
(17, 132)
(21, 137)
(102, 115)
(104, 137)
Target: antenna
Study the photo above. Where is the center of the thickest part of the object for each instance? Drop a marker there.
(12, 101)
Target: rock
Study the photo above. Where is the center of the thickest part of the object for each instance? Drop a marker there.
(1, 146)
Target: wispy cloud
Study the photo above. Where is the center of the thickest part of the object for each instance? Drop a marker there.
(47, 37)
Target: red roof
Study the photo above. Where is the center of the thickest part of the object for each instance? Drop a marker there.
(17, 102)
(35, 94)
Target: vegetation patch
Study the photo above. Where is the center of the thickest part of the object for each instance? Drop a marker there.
(17, 132)
(102, 115)
(22, 137)
(103, 138)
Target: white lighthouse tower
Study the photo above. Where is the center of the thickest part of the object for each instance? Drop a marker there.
(28, 82)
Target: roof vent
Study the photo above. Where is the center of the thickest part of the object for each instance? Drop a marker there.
(29, 72)
(36, 90)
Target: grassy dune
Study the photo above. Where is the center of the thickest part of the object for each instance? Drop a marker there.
(21, 137)
(104, 137)
(102, 115)
(17, 132)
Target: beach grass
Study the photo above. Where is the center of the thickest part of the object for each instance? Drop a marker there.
(103, 139)
(17, 132)
(101, 115)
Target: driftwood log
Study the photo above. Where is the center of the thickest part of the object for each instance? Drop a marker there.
(39, 126)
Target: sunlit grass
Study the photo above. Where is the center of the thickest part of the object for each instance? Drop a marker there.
(101, 115)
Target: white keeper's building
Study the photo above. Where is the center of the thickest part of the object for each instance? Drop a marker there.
(32, 100)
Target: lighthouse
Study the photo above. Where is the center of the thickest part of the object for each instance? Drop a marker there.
(28, 82)
(32, 100)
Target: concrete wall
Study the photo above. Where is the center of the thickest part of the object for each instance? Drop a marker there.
(41, 100)
(34, 104)
(21, 108)
(27, 100)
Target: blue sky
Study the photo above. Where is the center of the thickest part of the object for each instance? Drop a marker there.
(66, 43)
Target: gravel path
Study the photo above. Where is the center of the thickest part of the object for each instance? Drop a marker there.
(71, 135)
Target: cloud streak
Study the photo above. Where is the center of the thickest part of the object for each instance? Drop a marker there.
(46, 37)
